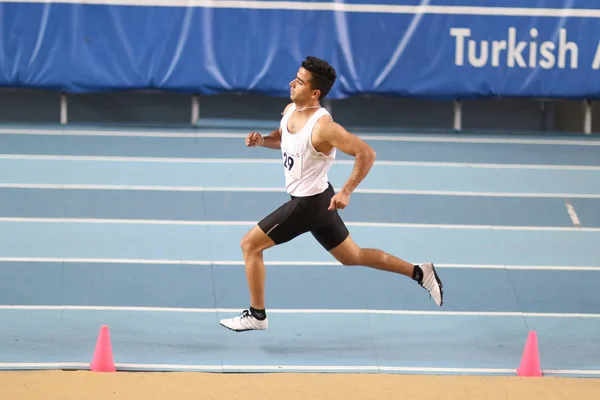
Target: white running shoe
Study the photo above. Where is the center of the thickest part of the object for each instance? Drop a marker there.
(432, 283)
(244, 322)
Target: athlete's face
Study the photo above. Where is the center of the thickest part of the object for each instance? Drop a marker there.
(300, 89)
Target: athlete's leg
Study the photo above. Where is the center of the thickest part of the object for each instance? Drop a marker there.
(253, 244)
(281, 226)
(348, 253)
(336, 239)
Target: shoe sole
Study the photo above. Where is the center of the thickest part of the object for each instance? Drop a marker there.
(440, 284)
(240, 330)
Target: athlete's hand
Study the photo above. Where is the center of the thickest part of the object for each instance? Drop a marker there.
(254, 139)
(339, 201)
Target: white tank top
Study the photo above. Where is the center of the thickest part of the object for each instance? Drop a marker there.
(305, 168)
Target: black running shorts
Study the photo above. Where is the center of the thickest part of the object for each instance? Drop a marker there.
(306, 214)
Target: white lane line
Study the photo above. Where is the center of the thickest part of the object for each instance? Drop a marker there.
(424, 138)
(275, 368)
(251, 223)
(57, 365)
(42, 260)
(277, 161)
(199, 160)
(175, 134)
(391, 137)
(301, 311)
(571, 371)
(59, 186)
(572, 214)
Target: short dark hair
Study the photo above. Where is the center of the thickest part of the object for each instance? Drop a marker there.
(323, 74)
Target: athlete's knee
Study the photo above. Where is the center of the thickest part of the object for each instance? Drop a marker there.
(247, 244)
(348, 253)
(255, 241)
(351, 257)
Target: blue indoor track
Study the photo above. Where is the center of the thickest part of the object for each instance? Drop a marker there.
(140, 230)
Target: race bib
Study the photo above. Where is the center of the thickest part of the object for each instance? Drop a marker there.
(292, 164)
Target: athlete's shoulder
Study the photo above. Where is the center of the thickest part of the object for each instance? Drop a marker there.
(287, 108)
(325, 125)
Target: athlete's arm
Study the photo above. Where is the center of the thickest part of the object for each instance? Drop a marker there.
(272, 140)
(335, 135)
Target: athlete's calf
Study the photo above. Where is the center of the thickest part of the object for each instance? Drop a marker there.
(253, 244)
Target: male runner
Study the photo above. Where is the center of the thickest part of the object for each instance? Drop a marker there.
(308, 139)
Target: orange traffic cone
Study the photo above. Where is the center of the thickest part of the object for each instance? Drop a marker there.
(103, 357)
(530, 361)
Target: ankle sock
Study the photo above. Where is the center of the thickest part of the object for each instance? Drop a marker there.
(417, 274)
(260, 315)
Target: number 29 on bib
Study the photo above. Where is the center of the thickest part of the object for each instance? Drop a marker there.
(292, 165)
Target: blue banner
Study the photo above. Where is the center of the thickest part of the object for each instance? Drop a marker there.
(436, 49)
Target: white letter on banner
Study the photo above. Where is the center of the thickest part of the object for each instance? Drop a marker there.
(482, 60)
(515, 50)
(497, 47)
(546, 50)
(596, 63)
(460, 34)
(563, 48)
(533, 48)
